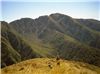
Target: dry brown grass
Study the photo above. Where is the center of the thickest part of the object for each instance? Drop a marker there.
(40, 66)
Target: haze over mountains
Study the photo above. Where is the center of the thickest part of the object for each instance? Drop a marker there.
(49, 36)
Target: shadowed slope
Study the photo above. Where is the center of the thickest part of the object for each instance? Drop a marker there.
(47, 36)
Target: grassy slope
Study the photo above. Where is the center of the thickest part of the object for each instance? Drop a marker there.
(69, 43)
(17, 48)
(78, 31)
(43, 50)
(72, 49)
(41, 66)
(91, 23)
(9, 52)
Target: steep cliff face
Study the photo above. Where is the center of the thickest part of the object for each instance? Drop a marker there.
(47, 36)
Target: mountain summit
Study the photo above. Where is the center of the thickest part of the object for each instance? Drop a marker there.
(49, 36)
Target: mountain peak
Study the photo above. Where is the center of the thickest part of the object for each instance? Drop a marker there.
(59, 16)
(56, 33)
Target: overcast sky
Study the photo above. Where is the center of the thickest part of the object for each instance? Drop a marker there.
(15, 9)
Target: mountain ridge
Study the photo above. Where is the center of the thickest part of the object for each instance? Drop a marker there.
(50, 35)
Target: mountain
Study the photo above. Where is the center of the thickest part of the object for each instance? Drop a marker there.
(91, 23)
(15, 48)
(61, 23)
(50, 66)
(49, 36)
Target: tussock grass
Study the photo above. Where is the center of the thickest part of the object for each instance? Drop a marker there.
(41, 66)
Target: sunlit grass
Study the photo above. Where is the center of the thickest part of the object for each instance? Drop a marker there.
(50, 66)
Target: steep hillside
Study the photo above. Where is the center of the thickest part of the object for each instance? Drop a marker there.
(61, 23)
(91, 23)
(50, 66)
(77, 30)
(15, 48)
(49, 36)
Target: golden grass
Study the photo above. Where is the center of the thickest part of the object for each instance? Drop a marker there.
(50, 66)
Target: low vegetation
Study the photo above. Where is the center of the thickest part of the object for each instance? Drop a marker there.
(50, 66)
(47, 36)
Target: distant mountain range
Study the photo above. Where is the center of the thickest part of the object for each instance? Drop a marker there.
(49, 36)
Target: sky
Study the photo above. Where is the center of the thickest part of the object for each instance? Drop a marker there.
(16, 9)
(52, 0)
